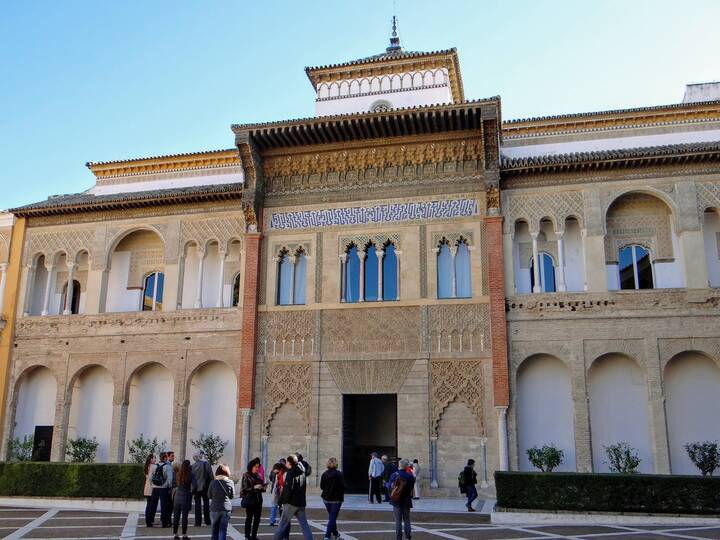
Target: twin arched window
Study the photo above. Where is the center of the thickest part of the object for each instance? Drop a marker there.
(635, 268)
(453, 270)
(369, 274)
(153, 292)
(546, 273)
(291, 277)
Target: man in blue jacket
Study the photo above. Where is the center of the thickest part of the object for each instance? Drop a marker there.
(401, 490)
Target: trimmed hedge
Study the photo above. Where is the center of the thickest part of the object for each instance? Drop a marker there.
(86, 480)
(583, 492)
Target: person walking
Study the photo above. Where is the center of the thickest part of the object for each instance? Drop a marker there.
(186, 486)
(401, 492)
(149, 469)
(416, 474)
(375, 473)
(469, 477)
(332, 486)
(293, 501)
(221, 492)
(251, 488)
(203, 476)
(277, 481)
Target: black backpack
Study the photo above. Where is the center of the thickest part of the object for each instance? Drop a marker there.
(158, 477)
(461, 482)
(307, 467)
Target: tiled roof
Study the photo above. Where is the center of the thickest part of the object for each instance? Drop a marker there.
(388, 55)
(83, 202)
(663, 153)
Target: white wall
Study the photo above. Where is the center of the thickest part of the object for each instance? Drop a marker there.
(211, 276)
(119, 298)
(545, 409)
(574, 260)
(522, 275)
(150, 404)
(92, 409)
(398, 100)
(213, 404)
(711, 228)
(692, 387)
(36, 402)
(670, 275)
(619, 409)
(190, 277)
(38, 289)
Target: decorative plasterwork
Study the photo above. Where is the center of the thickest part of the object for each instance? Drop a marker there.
(456, 381)
(292, 248)
(370, 376)
(381, 213)
(287, 382)
(49, 243)
(459, 328)
(533, 207)
(362, 240)
(453, 238)
(221, 229)
(286, 333)
(708, 196)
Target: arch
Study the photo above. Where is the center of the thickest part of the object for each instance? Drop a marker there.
(385, 84)
(406, 81)
(149, 396)
(352, 274)
(125, 233)
(546, 271)
(365, 86)
(74, 297)
(458, 438)
(91, 407)
(334, 90)
(440, 76)
(711, 239)
(692, 385)
(344, 88)
(463, 265)
(428, 78)
(619, 410)
(370, 273)
(545, 408)
(212, 405)
(35, 395)
(417, 80)
(619, 194)
(354, 87)
(323, 91)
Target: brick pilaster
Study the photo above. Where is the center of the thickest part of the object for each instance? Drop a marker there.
(246, 386)
(498, 327)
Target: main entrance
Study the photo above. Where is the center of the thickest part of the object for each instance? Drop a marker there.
(369, 425)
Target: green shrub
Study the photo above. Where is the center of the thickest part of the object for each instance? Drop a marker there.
(211, 445)
(20, 450)
(82, 450)
(139, 449)
(704, 456)
(546, 458)
(586, 492)
(622, 458)
(86, 480)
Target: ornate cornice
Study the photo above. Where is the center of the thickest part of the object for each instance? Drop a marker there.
(157, 164)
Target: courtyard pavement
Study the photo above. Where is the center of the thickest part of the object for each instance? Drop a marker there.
(373, 523)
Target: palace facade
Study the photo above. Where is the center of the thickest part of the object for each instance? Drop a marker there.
(404, 272)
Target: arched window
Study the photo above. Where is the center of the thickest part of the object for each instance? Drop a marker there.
(236, 290)
(453, 270)
(351, 279)
(547, 273)
(153, 292)
(292, 270)
(635, 268)
(390, 273)
(369, 275)
(74, 298)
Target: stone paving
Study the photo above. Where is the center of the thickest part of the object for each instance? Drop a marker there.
(354, 525)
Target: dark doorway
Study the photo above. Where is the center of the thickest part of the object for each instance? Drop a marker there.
(369, 425)
(42, 443)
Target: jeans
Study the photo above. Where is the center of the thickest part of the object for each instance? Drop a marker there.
(252, 520)
(202, 507)
(166, 507)
(471, 492)
(333, 509)
(180, 512)
(273, 514)
(162, 496)
(375, 488)
(288, 512)
(219, 525)
(402, 514)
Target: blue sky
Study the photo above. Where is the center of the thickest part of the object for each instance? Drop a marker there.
(96, 80)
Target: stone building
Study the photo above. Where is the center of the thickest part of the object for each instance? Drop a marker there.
(364, 280)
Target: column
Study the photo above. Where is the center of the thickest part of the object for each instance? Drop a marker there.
(361, 256)
(397, 273)
(3, 280)
(48, 285)
(62, 413)
(29, 290)
(379, 253)
(264, 452)
(536, 264)
(178, 434)
(67, 309)
(656, 400)
(343, 277)
(692, 245)
(502, 438)
(433, 462)
(509, 259)
(221, 277)
(484, 478)
(453, 253)
(245, 446)
(581, 418)
(198, 291)
(118, 429)
(293, 260)
(561, 262)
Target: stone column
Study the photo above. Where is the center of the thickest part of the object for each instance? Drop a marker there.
(561, 262)
(343, 277)
(536, 264)
(3, 281)
(433, 462)
(581, 418)
(484, 478)
(178, 436)
(692, 245)
(96, 290)
(595, 269)
(221, 285)
(361, 256)
(48, 287)
(245, 445)
(379, 253)
(29, 290)
(118, 429)
(67, 308)
(60, 427)
(264, 452)
(656, 404)
(503, 461)
(198, 290)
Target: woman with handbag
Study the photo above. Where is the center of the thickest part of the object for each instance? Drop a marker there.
(251, 489)
(221, 492)
(182, 498)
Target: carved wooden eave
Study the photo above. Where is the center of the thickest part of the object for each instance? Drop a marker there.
(464, 116)
(211, 159)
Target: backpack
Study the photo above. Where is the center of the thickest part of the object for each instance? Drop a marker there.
(158, 477)
(308, 468)
(461, 481)
(398, 489)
